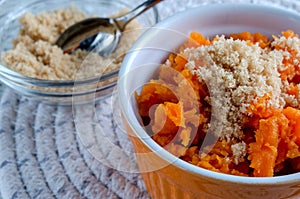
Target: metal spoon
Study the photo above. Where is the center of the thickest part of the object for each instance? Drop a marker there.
(100, 34)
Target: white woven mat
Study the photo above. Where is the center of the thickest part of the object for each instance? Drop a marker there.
(49, 151)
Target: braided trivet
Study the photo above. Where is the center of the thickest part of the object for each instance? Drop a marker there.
(51, 151)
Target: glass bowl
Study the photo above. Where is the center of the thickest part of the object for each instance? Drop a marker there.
(62, 91)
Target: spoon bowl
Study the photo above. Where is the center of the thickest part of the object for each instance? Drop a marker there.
(99, 34)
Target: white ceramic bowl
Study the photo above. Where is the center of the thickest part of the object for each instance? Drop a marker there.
(165, 175)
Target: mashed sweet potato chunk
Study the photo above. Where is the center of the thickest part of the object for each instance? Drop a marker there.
(229, 104)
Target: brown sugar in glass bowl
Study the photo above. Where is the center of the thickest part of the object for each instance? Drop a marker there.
(41, 70)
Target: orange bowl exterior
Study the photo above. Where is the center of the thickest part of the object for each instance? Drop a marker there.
(164, 180)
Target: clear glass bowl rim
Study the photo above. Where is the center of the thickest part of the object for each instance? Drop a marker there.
(10, 75)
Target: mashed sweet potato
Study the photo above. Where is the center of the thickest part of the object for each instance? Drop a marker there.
(229, 104)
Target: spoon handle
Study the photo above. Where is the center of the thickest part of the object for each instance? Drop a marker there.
(123, 20)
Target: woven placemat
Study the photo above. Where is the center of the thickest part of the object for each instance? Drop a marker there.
(49, 151)
(64, 152)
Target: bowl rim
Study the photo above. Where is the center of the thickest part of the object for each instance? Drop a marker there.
(139, 131)
(18, 77)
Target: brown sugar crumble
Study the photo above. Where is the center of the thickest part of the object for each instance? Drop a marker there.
(246, 87)
(35, 55)
(236, 74)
